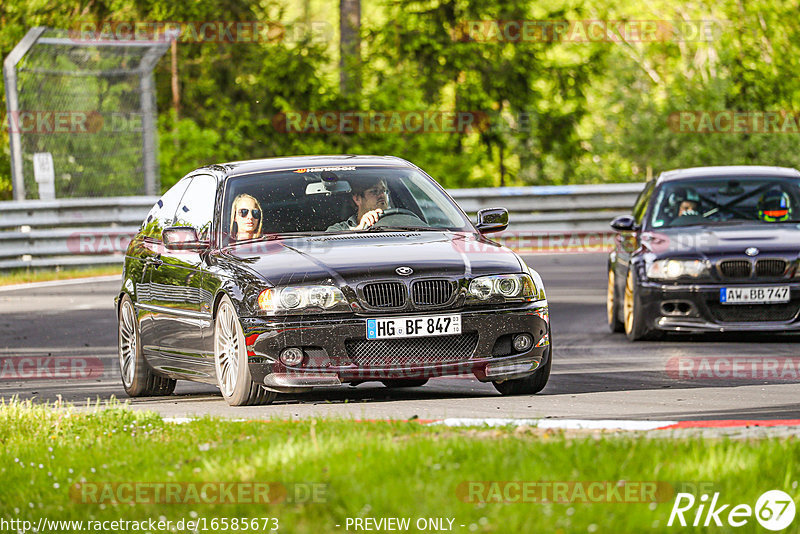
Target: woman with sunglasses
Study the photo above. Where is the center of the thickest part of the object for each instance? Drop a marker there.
(246, 221)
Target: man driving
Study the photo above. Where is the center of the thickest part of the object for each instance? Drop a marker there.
(370, 197)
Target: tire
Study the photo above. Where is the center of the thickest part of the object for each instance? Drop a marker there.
(635, 325)
(138, 378)
(612, 308)
(529, 385)
(402, 383)
(230, 360)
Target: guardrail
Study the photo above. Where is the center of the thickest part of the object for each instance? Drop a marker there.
(96, 231)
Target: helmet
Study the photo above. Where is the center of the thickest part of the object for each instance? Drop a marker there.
(774, 206)
(683, 201)
(683, 194)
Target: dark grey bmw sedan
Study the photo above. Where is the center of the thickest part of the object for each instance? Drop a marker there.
(281, 275)
(708, 249)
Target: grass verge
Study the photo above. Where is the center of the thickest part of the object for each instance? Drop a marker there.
(323, 472)
(24, 276)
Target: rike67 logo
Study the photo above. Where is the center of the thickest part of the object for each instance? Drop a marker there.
(774, 510)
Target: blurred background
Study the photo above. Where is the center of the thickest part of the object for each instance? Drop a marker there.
(557, 105)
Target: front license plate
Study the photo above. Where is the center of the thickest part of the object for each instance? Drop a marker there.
(754, 295)
(416, 326)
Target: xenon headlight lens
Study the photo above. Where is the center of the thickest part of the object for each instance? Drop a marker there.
(509, 286)
(481, 288)
(674, 269)
(291, 297)
(300, 298)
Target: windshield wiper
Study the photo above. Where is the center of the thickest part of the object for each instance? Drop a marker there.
(401, 229)
(271, 237)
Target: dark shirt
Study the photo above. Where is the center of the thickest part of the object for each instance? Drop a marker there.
(350, 223)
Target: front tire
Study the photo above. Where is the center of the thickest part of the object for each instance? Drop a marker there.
(138, 378)
(230, 360)
(529, 385)
(635, 324)
(612, 308)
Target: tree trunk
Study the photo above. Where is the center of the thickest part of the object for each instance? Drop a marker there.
(176, 95)
(350, 46)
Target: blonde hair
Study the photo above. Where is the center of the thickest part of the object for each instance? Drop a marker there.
(234, 226)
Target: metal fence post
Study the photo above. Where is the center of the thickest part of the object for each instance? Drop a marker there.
(12, 105)
(149, 161)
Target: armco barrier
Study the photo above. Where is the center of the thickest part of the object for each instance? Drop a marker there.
(96, 231)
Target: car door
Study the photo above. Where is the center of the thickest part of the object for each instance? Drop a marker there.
(182, 304)
(160, 216)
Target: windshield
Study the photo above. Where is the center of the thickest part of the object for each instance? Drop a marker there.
(763, 200)
(331, 199)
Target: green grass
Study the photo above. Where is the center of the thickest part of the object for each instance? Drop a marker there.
(367, 469)
(24, 276)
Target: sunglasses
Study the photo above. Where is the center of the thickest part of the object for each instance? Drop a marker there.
(377, 192)
(244, 211)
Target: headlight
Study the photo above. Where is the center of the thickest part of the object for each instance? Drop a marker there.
(302, 299)
(507, 286)
(674, 269)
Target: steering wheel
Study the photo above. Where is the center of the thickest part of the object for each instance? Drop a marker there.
(399, 217)
(397, 211)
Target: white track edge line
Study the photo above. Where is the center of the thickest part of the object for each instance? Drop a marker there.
(565, 424)
(71, 281)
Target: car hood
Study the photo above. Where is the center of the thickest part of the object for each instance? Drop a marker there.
(351, 258)
(723, 240)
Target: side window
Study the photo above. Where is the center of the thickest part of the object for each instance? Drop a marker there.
(640, 207)
(196, 208)
(162, 213)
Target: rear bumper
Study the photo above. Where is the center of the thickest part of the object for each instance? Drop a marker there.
(331, 359)
(697, 308)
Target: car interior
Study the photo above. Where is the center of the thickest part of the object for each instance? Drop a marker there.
(287, 205)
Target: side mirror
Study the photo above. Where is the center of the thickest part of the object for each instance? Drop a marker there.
(182, 238)
(492, 220)
(625, 223)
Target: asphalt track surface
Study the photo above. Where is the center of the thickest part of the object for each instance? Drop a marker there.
(596, 374)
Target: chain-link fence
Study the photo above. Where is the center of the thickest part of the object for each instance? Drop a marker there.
(82, 115)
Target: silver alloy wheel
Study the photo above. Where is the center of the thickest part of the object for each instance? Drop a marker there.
(226, 348)
(127, 343)
(628, 303)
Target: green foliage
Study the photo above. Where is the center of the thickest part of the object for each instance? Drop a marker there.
(557, 111)
(184, 146)
(57, 459)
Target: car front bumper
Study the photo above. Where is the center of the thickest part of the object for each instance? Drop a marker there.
(697, 308)
(337, 351)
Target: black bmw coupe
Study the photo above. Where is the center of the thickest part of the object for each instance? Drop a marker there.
(708, 249)
(281, 275)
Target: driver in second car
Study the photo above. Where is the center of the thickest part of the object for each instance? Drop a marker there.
(370, 197)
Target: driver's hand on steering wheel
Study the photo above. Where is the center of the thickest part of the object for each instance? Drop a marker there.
(369, 218)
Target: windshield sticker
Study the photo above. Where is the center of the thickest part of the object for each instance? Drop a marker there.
(323, 169)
